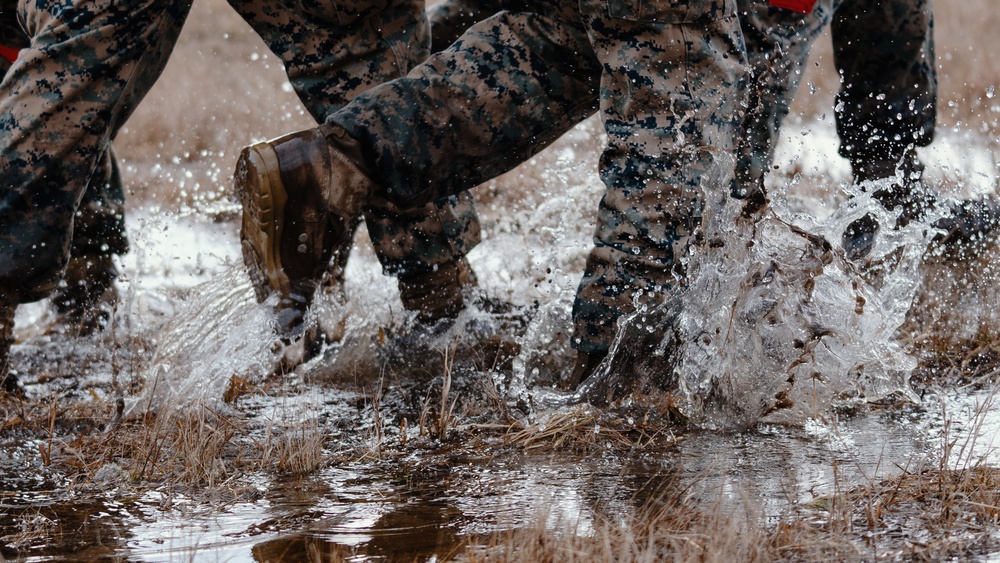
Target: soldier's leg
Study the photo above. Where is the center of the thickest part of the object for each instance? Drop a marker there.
(86, 297)
(778, 42)
(670, 98)
(334, 51)
(427, 158)
(12, 40)
(887, 104)
(58, 112)
(505, 90)
(457, 133)
(89, 64)
(99, 229)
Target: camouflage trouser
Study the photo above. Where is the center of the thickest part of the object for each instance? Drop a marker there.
(884, 52)
(100, 221)
(665, 75)
(89, 63)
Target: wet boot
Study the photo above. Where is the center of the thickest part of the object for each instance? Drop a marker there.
(87, 298)
(905, 194)
(8, 378)
(439, 293)
(301, 195)
(969, 225)
(586, 365)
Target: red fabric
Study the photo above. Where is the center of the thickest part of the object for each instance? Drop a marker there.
(8, 53)
(801, 6)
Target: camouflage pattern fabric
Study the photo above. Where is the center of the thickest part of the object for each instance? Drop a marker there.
(666, 76)
(100, 220)
(60, 105)
(450, 18)
(884, 52)
(621, 271)
(89, 64)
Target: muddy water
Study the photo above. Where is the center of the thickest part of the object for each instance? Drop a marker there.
(425, 502)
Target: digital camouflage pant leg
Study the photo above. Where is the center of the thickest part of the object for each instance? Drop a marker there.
(80, 69)
(502, 92)
(884, 51)
(100, 221)
(666, 76)
(335, 50)
(671, 103)
(450, 18)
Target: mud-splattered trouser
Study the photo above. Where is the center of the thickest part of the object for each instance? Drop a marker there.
(884, 52)
(666, 75)
(86, 65)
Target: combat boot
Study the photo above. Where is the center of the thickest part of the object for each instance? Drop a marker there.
(439, 292)
(905, 194)
(301, 196)
(970, 224)
(586, 365)
(86, 299)
(8, 378)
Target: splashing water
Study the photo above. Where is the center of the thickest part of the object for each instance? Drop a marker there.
(774, 321)
(221, 333)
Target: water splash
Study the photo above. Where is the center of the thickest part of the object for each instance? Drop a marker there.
(220, 332)
(775, 323)
(787, 327)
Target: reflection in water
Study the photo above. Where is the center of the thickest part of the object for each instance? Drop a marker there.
(404, 508)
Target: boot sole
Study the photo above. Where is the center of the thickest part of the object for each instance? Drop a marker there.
(258, 186)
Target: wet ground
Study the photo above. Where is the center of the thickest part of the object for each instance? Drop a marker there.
(75, 491)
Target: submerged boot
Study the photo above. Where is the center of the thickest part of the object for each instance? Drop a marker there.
(86, 299)
(586, 365)
(905, 194)
(970, 223)
(438, 293)
(301, 195)
(8, 378)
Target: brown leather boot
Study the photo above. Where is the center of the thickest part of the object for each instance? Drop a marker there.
(86, 300)
(301, 196)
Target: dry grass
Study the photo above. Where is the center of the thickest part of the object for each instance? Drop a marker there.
(584, 428)
(674, 526)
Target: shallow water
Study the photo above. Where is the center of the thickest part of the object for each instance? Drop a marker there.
(425, 503)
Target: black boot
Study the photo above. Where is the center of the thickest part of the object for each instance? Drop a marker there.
(586, 365)
(438, 293)
(905, 194)
(86, 299)
(971, 223)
